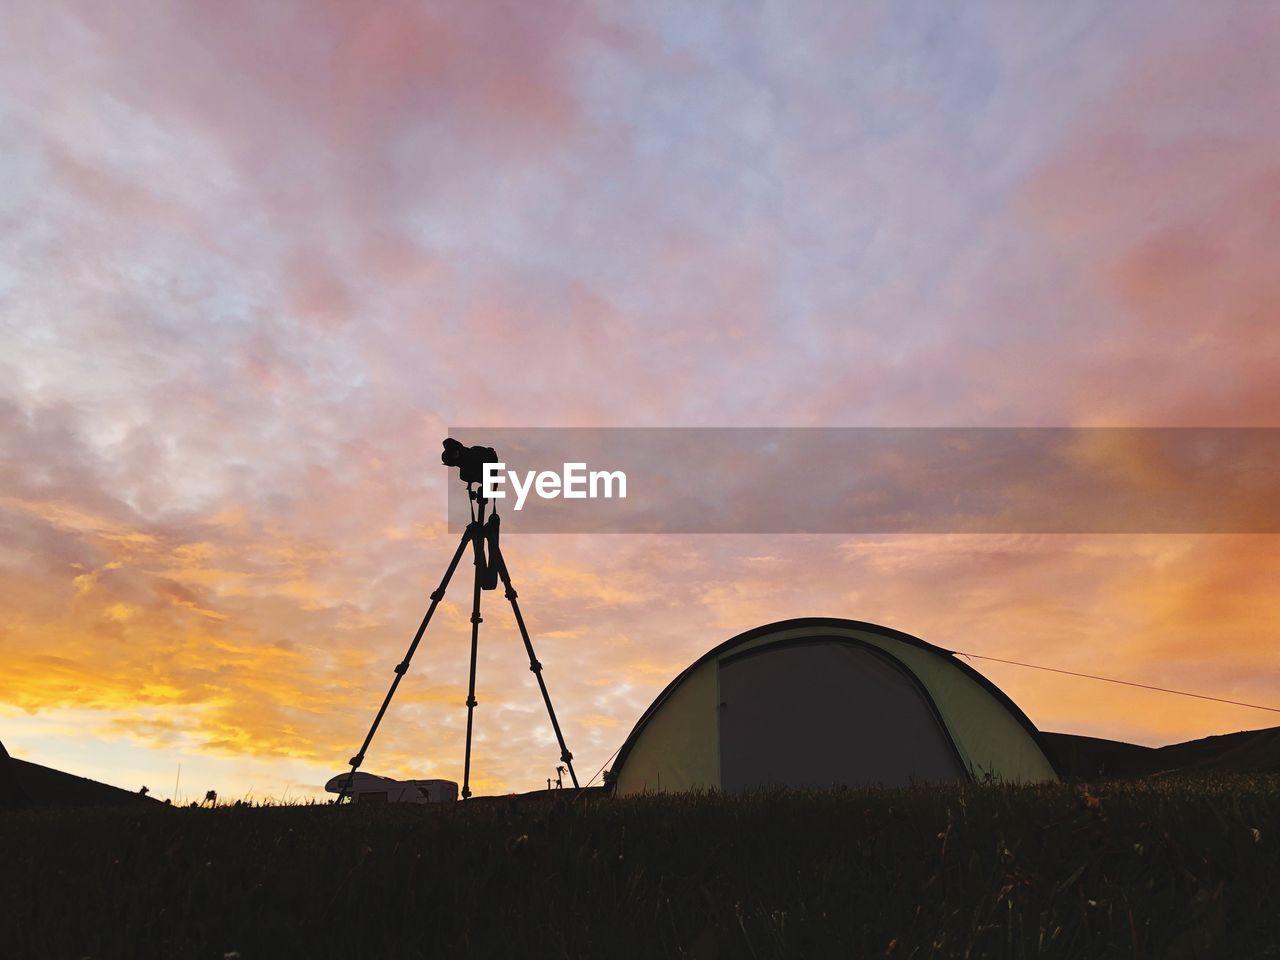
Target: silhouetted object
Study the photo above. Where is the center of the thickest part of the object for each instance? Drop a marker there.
(211, 798)
(40, 786)
(143, 790)
(470, 461)
(582, 794)
(367, 788)
(11, 792)
(490, 566)
(1093, 758)
(822, 702)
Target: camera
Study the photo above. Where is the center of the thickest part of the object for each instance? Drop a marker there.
(470, 461)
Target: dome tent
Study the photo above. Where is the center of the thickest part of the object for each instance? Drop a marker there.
(817, 702)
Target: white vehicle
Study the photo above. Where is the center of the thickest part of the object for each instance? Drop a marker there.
(367, 788)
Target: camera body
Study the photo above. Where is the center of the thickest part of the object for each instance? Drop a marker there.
(470, 461)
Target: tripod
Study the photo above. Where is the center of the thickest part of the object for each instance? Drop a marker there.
(482, 535)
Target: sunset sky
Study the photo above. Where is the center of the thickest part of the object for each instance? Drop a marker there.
(257, 258)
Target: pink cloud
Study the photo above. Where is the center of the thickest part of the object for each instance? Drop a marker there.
(263, 255)
(1161, 201)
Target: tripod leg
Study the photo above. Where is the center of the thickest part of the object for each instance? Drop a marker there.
(403, 666)
(495, 558)
(477, 542)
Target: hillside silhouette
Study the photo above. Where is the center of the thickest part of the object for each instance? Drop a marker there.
(23, 783)
(1075, 757)
(1090, 758)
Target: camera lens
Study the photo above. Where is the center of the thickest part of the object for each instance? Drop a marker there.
(451, 455)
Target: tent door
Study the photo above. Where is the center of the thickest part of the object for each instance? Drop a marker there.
(827, 712)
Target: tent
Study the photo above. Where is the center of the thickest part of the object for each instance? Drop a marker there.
(819, 702)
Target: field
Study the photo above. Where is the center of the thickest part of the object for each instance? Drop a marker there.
(1160, 868)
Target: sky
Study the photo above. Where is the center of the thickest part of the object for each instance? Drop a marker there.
(256, 259)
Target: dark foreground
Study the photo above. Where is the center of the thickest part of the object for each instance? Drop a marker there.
(1157, 868)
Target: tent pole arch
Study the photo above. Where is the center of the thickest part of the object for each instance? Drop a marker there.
(676, 740)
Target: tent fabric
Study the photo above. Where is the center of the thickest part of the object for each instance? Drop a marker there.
(683, 739)
(790, 713)
(947, 719)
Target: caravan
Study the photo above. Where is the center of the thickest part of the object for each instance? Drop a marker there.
(367, 788)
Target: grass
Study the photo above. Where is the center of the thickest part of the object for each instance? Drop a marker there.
(1159, 868)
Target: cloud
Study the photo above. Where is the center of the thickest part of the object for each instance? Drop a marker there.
(255, 260)
(1159, 200)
